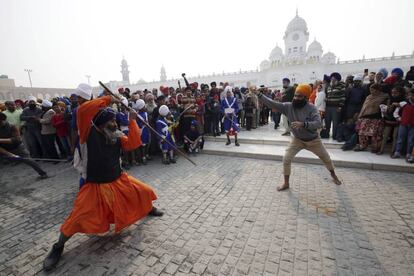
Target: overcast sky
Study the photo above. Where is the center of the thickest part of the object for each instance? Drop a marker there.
(64, 40)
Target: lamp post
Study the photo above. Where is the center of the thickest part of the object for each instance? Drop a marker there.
(88, 77)
(28, 73)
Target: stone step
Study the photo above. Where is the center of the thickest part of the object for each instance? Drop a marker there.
(348, 159)
(277, 141)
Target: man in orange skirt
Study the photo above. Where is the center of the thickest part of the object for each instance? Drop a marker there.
(109, 195)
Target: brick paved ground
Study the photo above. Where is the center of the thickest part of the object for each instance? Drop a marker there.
(223, 217)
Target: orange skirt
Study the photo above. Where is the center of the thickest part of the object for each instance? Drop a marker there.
(121, 202)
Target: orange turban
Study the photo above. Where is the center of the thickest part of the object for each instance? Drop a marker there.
(304, 89)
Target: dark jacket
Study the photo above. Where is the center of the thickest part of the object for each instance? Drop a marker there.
(335, 95)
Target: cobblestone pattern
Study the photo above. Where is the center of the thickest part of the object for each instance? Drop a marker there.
(223, 217)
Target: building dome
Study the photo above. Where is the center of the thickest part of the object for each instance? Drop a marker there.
(264, 65)
(297, 24)
(315, 46)
(276, 54)
(329, 58)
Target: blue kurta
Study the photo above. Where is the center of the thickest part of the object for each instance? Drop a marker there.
(122, 120)
(230, 108)
(162, 129)
(145, 133)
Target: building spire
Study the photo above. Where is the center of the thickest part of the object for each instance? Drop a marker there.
(296, 11)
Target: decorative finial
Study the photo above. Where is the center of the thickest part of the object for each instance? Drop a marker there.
(296, 11)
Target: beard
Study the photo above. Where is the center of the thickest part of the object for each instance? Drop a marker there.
(298, 103)
(111, 135)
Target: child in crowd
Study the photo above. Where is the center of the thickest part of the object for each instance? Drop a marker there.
(167, 144)
(193, 140)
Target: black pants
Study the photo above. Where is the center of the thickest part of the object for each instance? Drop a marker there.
(215, 129)
(34, 142)
(207, 124)
(185, 125)
(249, 122)
(48, 141)
(23, 154)
(276, 118)
(332, 116)
(264, 116)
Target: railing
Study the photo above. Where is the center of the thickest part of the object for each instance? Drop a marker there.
(376, 59)
(286, 64)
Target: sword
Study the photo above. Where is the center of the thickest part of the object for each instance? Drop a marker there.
(147, 125)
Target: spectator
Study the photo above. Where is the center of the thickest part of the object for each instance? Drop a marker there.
(13, 114)
(62, 129)
(335, 101)
(142, 153)
(240, 102)
(287, 96)
(193, 139)
(276, 115)
(48, 131)
(354, 97)
(390, 122)
(371, 126)
(31, 116)
(406, 129)
(11, 147)
(215, 115)
(122, 120)
(312, 97)
(249, 112)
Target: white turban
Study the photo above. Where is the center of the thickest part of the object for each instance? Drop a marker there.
(84, 91)
(32, 98)
(164, 110)
(46, 103)
(139, 104)
(358, 77)
(124, 101)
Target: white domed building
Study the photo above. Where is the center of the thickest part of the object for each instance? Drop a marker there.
(314, 53)
(276, 57)
(300, 61)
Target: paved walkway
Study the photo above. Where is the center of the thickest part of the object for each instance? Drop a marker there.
(222, 217)
(267, 143)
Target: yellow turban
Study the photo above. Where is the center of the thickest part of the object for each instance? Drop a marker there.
(304, 89)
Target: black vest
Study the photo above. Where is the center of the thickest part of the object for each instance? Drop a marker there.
(103, 158)
(6, 132)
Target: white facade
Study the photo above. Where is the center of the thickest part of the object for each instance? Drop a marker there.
(299, 62)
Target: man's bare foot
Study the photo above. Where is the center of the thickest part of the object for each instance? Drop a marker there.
(336, 180)
(283, 187)
(335, 177)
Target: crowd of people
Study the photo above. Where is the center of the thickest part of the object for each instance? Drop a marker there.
(367, 110)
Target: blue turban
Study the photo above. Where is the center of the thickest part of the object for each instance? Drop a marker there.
(384, 72)
(397, 71)
(286, 79)
(326, 78)
(104, 116)
(336, 75)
